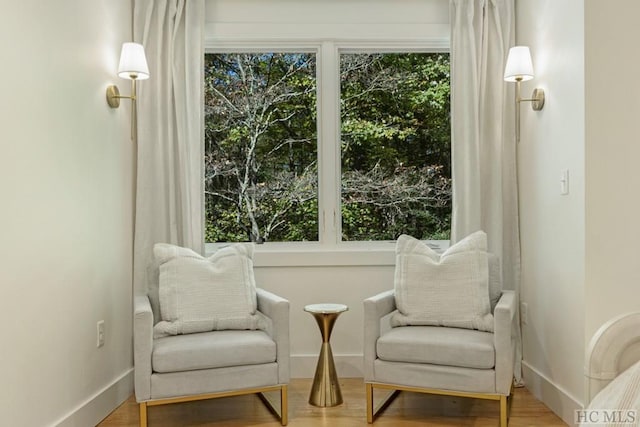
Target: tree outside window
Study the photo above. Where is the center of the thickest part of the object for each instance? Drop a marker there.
(261, 147)
(396, 151)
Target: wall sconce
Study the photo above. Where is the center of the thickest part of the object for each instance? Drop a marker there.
(519, 69)
(133, 66)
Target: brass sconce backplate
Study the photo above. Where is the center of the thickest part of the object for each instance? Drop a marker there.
(113, 96)
(537, 99)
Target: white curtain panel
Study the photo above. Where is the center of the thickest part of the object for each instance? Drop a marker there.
(485, 188)
(170, 130)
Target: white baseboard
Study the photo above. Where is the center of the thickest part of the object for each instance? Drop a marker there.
(347, 365)
(97, 407)
(561, 402)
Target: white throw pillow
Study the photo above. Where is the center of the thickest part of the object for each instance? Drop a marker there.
(448, 290)
(200, 294)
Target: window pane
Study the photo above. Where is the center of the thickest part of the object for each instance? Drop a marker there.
(396, 146)
(260, 147)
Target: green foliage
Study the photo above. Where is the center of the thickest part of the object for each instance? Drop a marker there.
(396, 132)
(260, 147)
(261, 150)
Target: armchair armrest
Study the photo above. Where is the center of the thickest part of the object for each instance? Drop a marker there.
(142, 346)
(504, 342)
(277, 310)
(375, 308)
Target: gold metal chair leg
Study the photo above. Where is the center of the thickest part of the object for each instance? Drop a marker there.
(369, 393)
(143, 414)
(284, 404)
(503, 411)
(374, 411)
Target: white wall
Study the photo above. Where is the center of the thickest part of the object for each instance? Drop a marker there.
(580, 256)
(66, 184)
(328, 19)
(553, 225)
(612, 153)
(326, 274)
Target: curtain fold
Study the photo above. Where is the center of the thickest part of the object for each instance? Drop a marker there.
(169, 202)
(484, 168)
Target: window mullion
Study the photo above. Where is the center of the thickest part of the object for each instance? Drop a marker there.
(329, 144)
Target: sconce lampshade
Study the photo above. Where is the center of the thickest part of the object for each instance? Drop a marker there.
(133, 62)
(519, 65)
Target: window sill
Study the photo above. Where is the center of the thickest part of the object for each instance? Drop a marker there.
(314, 254)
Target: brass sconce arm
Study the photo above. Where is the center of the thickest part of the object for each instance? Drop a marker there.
(114, 97)
(537, 97)
(537, 103)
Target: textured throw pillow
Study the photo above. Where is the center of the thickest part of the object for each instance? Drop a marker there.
(495, 280)
(200, 294)
(448, 290)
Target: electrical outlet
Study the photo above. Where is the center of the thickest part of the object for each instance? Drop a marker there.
(524, 313)
(100, 333)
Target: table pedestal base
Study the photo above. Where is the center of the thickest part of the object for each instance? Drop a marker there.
(325, 390)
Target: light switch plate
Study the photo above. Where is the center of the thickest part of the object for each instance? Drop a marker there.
(100, 334)
(564, 182)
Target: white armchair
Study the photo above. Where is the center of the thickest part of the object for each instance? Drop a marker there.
(212, 364)
(438, 360)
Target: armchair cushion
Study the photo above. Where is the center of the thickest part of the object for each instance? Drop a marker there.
(448, 290)
(200, 294)
(438, 346)
(217, 349)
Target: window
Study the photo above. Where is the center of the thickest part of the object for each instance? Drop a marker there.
(260, 147)
(328, 143)
(396, 162)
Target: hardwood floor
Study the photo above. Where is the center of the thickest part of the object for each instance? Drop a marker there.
(408, 409)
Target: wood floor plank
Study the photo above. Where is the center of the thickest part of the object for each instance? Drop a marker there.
(408, 409)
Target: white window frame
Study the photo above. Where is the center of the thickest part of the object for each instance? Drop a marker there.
(329, 249)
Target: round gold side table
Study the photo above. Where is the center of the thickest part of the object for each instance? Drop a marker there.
(325, 390)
